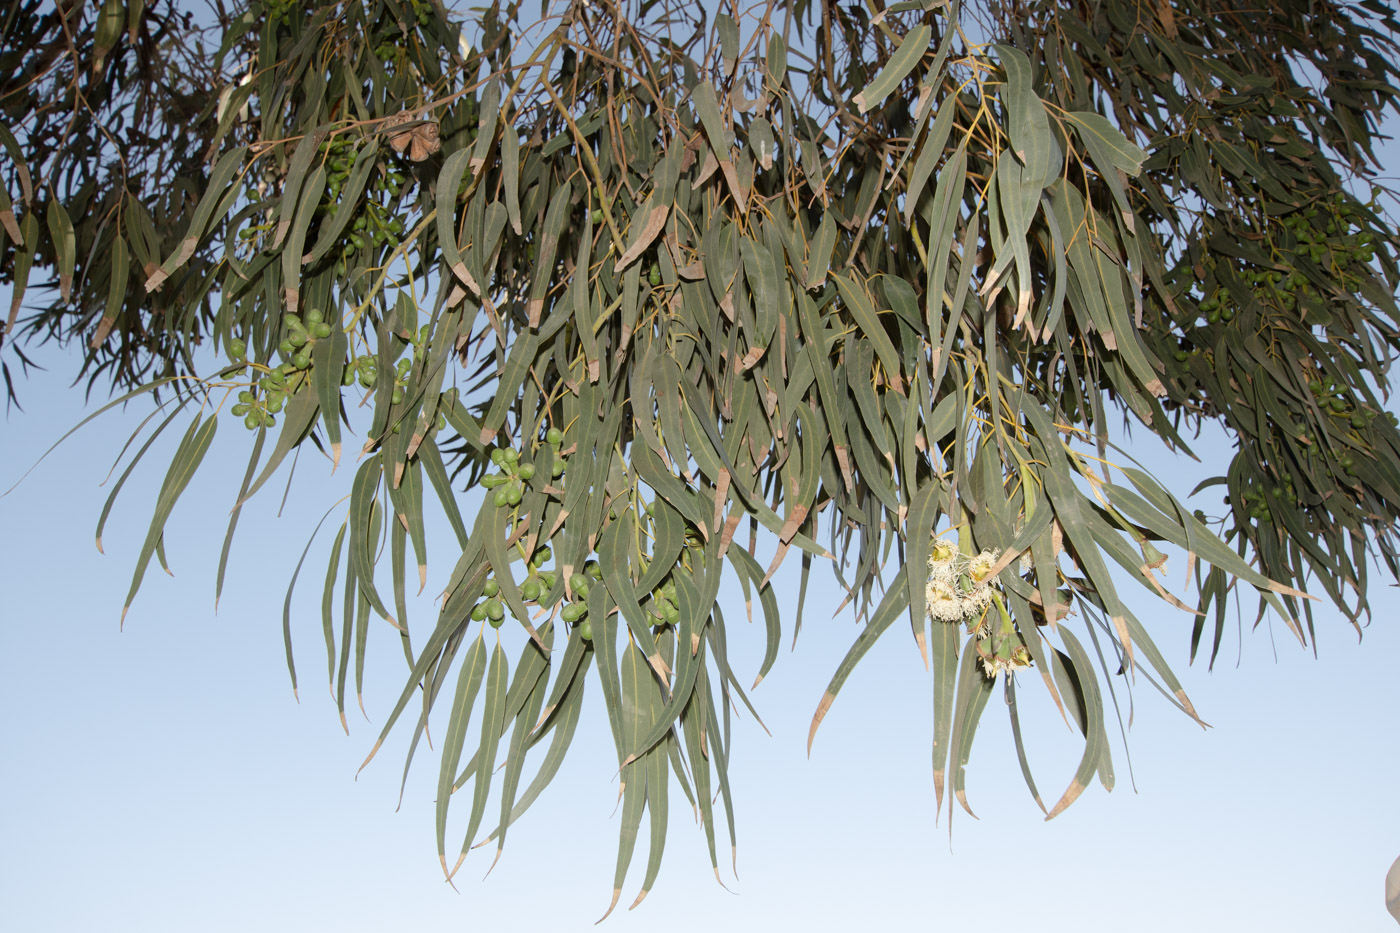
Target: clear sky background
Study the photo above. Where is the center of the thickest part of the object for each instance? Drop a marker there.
(163, 778)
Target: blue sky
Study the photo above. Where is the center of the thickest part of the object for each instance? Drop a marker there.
(164, 778)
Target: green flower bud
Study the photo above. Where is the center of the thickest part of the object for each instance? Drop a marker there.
(501, 498)
(492, 587)
(478, 612)
(530, 589)
(527, 471)
(585, 631)
(554, 436)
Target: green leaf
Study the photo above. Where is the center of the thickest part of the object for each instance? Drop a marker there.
(895, 601)
(1106, 142)
(468, 685)
(910, 51)
(492, 722)
(193, 446)
(61, 230)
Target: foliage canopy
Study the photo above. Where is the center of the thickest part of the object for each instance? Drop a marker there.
(877, 280)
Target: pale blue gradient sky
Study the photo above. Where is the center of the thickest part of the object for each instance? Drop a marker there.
(163, 778)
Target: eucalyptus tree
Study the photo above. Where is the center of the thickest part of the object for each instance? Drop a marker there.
(878, 288)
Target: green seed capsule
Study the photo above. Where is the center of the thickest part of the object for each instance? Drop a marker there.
(585, 631)
(571, 613)
(511, 455)
(547, 578)
(541, 556)
(501, 498)
(577, 580)
(497, 623)
(581, 592)
(593, 569)
(396, 397)
(253, 420)
(654, 277)
(321, 331)
(513, 495)
(498, 456)
(491, 588)
(241, 409)
(237, 349)
(527, 471)
(301, 360)
(286, 348)
(495, 611)
(530, 589)
(478, 612)
(554, 436)
(558, 469)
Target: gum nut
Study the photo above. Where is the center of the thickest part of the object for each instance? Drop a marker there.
(531, 589)
(498, 456)
(542, 555)
(585, 631)
(513, 495)
(577, 580)
(555, 437)
(558, 469)
(478, 612)
(495, 609)
(286, 348)
(511, 454)
(582, 591)
(501, 498)
(314, 316)
(492, 587)
(527, 471)
(301, 360)
(497, 622)
(253, 420)
(322, 331)
(570, 613)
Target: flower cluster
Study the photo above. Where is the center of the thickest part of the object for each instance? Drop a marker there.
(959, 585)
(960, 590)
